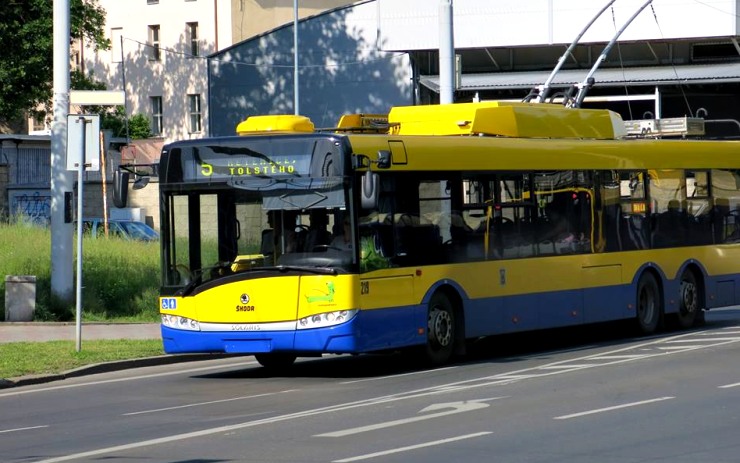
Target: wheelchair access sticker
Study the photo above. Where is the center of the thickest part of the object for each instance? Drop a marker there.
(169, 303)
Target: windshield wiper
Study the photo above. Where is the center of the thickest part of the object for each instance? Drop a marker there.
(300, 268)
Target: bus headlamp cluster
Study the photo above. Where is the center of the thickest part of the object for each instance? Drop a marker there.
(323, 320)
(180, 323)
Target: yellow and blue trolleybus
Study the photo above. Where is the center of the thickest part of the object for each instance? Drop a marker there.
(438, 224)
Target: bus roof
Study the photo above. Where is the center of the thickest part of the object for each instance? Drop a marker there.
(496, 118)
(508, 119)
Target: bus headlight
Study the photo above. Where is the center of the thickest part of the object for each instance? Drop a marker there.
(180, 323)
(323, 320)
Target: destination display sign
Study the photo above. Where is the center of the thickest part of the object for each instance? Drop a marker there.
(222, 162)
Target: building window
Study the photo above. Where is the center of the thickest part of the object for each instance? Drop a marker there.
(192, 34)
(154, 43)
(156, 104)
(195, 121)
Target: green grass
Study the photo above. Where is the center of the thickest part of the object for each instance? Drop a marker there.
(120, 278)
(120, 281)
(37, 358)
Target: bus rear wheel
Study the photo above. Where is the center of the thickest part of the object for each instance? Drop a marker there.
(648, 304)
(275, 361)
(440, 329)
(689, 300)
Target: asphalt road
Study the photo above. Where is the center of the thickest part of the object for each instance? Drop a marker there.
(590, 395)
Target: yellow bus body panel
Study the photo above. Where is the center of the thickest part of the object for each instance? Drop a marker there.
(271, 299)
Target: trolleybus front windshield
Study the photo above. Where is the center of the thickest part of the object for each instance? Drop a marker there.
(242, 211)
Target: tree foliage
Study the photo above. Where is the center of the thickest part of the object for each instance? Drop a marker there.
(26, 41)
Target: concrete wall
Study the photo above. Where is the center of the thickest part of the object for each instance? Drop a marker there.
(146, 198)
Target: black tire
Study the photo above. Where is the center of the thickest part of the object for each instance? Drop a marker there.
(275, 361)
(648, 304)
(689, 297)
(440, 330)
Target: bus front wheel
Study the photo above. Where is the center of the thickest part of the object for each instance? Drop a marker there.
(440, 329)
(275, 361)
(689, 300)
(648, 305)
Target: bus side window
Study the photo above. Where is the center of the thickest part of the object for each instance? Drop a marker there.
(634, 226)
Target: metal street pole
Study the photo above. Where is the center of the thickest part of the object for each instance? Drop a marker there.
(61, 180)
(295, 58)
(80, 174)
(446, 53)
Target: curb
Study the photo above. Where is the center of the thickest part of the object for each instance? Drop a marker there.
(108, 367)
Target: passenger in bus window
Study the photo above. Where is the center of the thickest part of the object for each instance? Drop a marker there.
(284, 235)
(343, 241)
(558, 228)
(318, 234)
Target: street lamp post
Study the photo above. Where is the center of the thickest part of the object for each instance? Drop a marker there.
(295, 58)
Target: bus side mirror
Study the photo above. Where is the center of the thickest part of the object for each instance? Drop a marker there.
(120, 188)
(384, 159)
(369, 190)
(140, 182)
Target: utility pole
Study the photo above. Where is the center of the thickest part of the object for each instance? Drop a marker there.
(61, 180)
(446, 53)
(295, 58)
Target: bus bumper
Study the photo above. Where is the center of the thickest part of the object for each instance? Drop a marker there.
(335, 339)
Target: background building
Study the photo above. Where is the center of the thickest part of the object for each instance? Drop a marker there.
(198, 67)
(342, 68)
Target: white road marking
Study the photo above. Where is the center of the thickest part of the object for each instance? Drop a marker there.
(449, 409)
(728, 386)
(573, 366)
(526, 373)
(608, 409)
(410, 447)
(619, 357)
(679, 348)
(198, 404)
(127, 378)
(381, 378)
(22, 429)
(703, 340)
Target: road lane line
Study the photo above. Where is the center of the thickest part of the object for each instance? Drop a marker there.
(449, 409)
(573, 366)
(608, 409)
(22, 429)
(129, 378)
(411, 447)
(198, 404)
(702, 340)
(728, 386)
(618, 357)
(481, 381)
(380, 378)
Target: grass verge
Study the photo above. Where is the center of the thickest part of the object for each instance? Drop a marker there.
(36, 358)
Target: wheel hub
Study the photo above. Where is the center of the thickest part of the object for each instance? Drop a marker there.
(440, 327)
(689, 297)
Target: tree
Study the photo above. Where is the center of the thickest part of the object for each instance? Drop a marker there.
(26, 41)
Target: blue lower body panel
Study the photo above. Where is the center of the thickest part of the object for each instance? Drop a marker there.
(368, 331)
